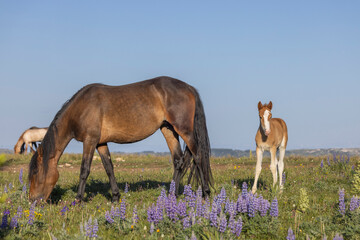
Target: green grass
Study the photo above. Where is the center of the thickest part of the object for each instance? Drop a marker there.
(147, 174)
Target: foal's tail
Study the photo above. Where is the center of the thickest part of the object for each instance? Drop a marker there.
(202, 158)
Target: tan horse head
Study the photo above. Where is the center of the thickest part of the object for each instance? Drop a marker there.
(265, 116)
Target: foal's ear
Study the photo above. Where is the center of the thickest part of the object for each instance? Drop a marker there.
(270, 105)
(40, 150)
(259, 105)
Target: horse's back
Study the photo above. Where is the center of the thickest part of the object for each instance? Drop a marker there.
(125, 113)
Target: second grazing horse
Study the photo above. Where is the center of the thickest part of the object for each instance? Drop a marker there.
(272, 135)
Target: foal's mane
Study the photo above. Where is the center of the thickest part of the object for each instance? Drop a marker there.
(48, 143)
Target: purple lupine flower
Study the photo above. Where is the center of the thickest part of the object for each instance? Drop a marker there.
(322, 166)
(227, 205)
(186, 222)
(14, 221)
(291, 235)
(135, 216)
(213, 214)
(4, 222)
(222, 196)
(244, 190)
(223, 223)
(159, 213)
(244, 204)
(238, 203)
(354, 203)
(256, 203)
(232, 182)
(63, 210)
(19, 212)
(10, 186)
(348, 158)
(192, 216)
(123, 209)
(21, 176)
(199, 207)
(264, 206)
(274, 211)
(251, 210)
(192, 200)
(73, 203)
(188, 193)
(116, 213)
(108, 217)
(172, 187)
(5, 189)
(151, 212)
(161, 200)
(88, 227)
(334, 157)
(231, 224)
(206, 209)
(95, 229)
(170, 207)
(181, 208)
(338, 237)
(328, 161)
(126, 190)
(24, 188)
(238, 227)
(32, 213)
(342, 201)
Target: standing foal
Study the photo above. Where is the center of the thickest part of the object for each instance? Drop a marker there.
(272, 135)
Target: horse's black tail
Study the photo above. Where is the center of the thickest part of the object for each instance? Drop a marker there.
(202, 158)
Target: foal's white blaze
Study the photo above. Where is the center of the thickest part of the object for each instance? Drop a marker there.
(266, 121)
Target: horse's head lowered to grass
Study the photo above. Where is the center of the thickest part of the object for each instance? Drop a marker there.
(42, 177)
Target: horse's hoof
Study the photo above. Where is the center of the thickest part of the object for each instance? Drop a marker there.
(115, 198)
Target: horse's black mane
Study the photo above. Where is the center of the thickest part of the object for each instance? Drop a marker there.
(48, 143)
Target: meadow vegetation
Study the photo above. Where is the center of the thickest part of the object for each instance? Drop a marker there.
(319, 199)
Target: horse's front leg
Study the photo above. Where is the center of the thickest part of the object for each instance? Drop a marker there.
(104, 153)
(88, 153)
(273, 165)
(259, 156)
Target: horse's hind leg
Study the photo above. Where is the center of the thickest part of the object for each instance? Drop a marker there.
(281, 166)
(104, 153)
(172, 140)
(273, 164)
(88, 153)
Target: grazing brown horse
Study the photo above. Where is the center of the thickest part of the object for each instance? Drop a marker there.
(28, 139)
(272, 135)
(98, 114)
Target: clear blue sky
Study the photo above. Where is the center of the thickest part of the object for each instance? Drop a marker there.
(304, 56)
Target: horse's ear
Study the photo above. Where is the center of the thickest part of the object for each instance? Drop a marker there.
(270, 105)
(260, 105)
(40, 150)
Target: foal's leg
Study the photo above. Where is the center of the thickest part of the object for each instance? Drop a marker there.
(172, 140)
(104, 153)
(88, 153)
(259, 156)
(273, 164)
(281, 166)
(26, 148)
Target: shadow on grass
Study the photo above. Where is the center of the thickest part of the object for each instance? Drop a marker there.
(94, 187)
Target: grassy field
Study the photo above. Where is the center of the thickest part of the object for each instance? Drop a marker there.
(309, 204)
